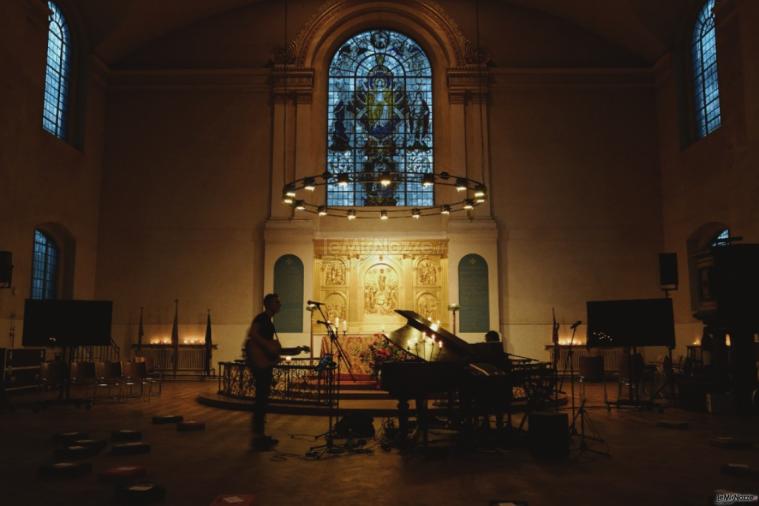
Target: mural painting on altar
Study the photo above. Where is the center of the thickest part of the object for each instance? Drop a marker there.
(363, 282)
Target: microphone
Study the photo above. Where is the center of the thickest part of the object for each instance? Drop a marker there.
(314, 303)
(575, 324)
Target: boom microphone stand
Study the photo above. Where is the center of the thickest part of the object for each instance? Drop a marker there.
(333, 393)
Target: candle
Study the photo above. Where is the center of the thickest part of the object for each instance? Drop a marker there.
(345, 326)
(337, 323)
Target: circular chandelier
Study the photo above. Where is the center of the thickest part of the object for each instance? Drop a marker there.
(474, 193)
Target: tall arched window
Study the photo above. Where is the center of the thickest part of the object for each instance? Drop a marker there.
(380, 119)
(45, 258)
(288, 283)
(705, 79)
(57, 73)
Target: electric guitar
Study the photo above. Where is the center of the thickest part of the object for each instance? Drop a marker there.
(262, 353)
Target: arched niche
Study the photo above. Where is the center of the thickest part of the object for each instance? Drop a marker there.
(474, 294)
(288, 284)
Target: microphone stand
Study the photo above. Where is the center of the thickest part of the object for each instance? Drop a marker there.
(582, 411)
(333, 394)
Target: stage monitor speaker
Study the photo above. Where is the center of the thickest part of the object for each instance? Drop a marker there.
(6, 268)
(548, 434)
(355, 425)
(668, 271)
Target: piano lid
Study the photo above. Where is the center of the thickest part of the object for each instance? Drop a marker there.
(421, 338)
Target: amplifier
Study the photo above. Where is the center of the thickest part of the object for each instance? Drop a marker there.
(20, 368)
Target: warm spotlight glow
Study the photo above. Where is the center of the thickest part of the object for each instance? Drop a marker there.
(446, 209)
(298, 205)
(342, 180)
(386, 179)
(287, 199)
(383, 215)
(290, 190)
(415, 214)
(460, 184)
(428, 180)
(322, 211)
(468, 204)
(352, 214)
(309, 184)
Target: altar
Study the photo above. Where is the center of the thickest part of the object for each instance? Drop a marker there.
(362, 282)
(359, 352)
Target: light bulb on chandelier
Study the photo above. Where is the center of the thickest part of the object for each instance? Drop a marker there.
(474, 194)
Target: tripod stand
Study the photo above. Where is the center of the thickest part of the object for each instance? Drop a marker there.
(333, 389)
(581, 414)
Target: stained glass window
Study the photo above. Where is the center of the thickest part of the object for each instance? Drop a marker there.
(380, 120)
(57, 72)
(44, 267)
(705, 79)
(721, 239)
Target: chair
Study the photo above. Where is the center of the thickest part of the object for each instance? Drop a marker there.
(51, 375)
(109, 377)
(135, 374)
(83, 374)
(151, 374)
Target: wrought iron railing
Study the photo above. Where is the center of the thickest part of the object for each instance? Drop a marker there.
(102, 353)
(296, 380)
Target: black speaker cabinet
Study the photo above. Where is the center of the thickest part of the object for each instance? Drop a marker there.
(728, 289)
(6, 268)
(668, 271)
(548, 434)
(20, 368)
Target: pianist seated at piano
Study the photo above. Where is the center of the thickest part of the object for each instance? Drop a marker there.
(491, 336)
(477, 374)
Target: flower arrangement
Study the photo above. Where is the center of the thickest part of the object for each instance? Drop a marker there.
(381, 351)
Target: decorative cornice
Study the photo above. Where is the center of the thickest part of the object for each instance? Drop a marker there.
(468, 83)
(292, 81)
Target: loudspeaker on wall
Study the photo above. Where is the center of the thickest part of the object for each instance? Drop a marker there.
(668, 271)
(6, 268)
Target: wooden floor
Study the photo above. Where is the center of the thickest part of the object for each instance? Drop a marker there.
(648, 465)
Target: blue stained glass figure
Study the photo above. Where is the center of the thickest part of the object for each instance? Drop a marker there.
(706, 83)
(380, 120)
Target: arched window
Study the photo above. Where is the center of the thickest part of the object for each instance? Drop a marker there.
(288, 284)
(705, 79)
(57, 74)
(721, 239)
(473, 294)
(380, 120)
(44, 267)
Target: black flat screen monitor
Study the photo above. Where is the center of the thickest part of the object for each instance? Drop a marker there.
(67, 322)
(640, 322)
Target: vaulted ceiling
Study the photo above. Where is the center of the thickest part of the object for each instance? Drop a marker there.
(646, 28)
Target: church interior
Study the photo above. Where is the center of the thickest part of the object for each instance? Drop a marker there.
(571, 178)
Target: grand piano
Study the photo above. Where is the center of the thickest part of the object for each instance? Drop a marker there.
(474, 377)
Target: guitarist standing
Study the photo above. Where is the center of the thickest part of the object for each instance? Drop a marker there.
(260, 345)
